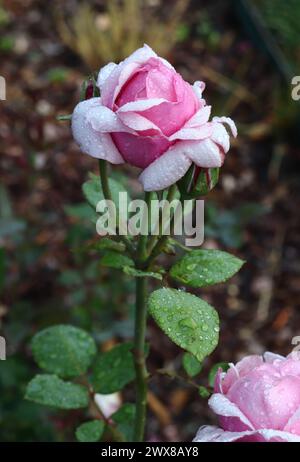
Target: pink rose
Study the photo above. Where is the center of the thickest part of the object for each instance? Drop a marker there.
(150, 117)
(257, 400)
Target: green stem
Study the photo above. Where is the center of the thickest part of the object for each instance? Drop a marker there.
(104, 179)
(139, 357)
(153, 241)
(158, 248)
(140, 331)
(107, 195)
(116, 435)
(174, 375)
(142, 245)
(160, 244)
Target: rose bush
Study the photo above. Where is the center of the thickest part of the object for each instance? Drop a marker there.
(257, 400)
(150, 117)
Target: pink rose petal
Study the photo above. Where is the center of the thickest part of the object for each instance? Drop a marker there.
(223, 407)
(140, 151)
(104, 120)
(91, 142)
(104, 74)
(210, 434)
(165, 171)
(228, 121)
(204, 153)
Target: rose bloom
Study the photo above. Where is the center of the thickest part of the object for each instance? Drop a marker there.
(257, 400)
(149, 117)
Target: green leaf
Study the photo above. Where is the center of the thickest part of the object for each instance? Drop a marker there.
(169, 247)
(108, 244)
(50, 390)
(63, 350)
(204, 392)
(189, 321)
(174, 243)
(205, 267)
(141, 274)
(113, 369)
(93, 193)
(191, 365)
(213, 372)
(90, 432)
(116, 260)
(124, 418)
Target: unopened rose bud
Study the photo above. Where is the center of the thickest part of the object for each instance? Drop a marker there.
(89, 92)
(89, 89)
(198, 182)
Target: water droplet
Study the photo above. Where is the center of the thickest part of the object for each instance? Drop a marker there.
(188, 322)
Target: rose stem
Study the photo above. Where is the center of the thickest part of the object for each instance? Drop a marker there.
(142, 245)
(160, 244)
(170, 196)
(107, 195)
(139, 358)
(140, 316)
(140, 333)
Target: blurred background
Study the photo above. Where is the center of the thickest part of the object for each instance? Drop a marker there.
(247, 53)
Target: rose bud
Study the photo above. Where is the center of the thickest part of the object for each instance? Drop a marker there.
(89, 92)
(198, 182)
(256, 400)
(89, 89)
(149, 117)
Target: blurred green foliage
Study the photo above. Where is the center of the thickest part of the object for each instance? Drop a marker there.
(228, 226)
(57, 75)
(21, 420)
(80, 293)
(102, 37)
(7, 43)
(4, 16)
(208, 32)
(283, 19)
